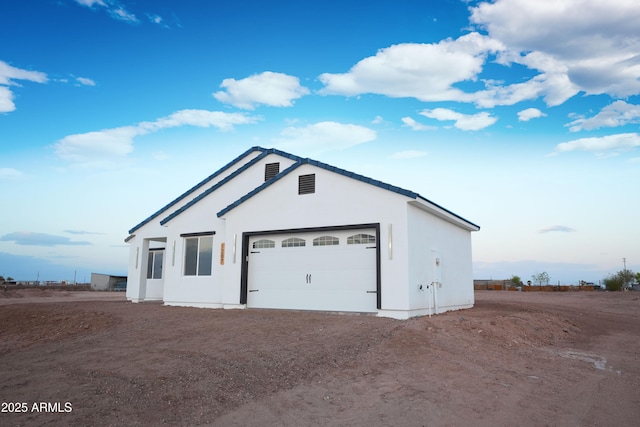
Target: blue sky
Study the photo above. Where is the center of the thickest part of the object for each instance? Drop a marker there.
(520, 116)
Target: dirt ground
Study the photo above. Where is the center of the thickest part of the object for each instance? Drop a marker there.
(525, 359)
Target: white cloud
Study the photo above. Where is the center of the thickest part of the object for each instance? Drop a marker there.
(102, 148)
(156, 19)
(85, 81)
(529, 113)
(81, 232)
(426, 72)
(408, 121)
(587, 45)
(268, 88)
(609, 143)
(39, 239)
(618, 113)
(100, 145)
(119, 12)
(8, 75)
(554, 87)
(324, 136)
(6, 100)
(557, 228)
(11, 174)
(90, 3)
(572, 45)
(200, 118)
(462, 121)
(377, 120)
(113, 8)
(408, 154)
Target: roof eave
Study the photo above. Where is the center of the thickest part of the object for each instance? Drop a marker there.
(440, 212)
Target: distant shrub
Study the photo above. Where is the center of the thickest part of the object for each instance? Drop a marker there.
(613, 283)
(619, 281)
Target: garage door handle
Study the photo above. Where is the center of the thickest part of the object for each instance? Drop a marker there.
(308, 278)
(372, 292)
(254, 290)
(371, 247)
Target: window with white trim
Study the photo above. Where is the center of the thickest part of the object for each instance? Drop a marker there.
(293, 242)
(361, 239)
(198, 255)
(326, 241)
(264, 244)
(154, 264)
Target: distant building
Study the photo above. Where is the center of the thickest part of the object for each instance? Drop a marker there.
(106, 282)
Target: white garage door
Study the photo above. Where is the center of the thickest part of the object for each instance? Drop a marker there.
(333, 271)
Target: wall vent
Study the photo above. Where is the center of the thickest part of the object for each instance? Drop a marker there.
(271, 170)
(307, 184)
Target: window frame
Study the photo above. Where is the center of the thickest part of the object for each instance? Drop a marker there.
(152, 264)
(202, 252)
(326, 240)
(262, 244)
(293, 242)
(361, 239)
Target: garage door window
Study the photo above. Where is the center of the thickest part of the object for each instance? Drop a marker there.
(293, 242)
(264, 244)
(361, 239)
(326, 241)
(198, 256)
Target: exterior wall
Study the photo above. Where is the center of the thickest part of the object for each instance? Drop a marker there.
(104, 282)
(429, 237)
(337, 201)
(100, 282)
(134, 274)
(176, 288)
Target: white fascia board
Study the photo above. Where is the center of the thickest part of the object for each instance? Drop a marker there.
(443, 214)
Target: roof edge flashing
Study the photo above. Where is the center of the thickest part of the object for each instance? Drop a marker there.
(443, 213)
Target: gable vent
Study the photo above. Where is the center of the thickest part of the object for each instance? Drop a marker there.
(271, 170)
(307, 184)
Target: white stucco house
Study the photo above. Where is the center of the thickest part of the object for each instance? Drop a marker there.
(274, 230)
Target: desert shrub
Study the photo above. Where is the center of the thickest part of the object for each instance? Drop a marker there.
(619, 281)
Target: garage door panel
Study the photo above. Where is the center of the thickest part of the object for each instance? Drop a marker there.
(334, 277)
(306, 299)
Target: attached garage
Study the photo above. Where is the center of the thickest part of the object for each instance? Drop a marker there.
(332, 269)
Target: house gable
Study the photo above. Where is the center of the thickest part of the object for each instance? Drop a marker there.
(420, 201)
